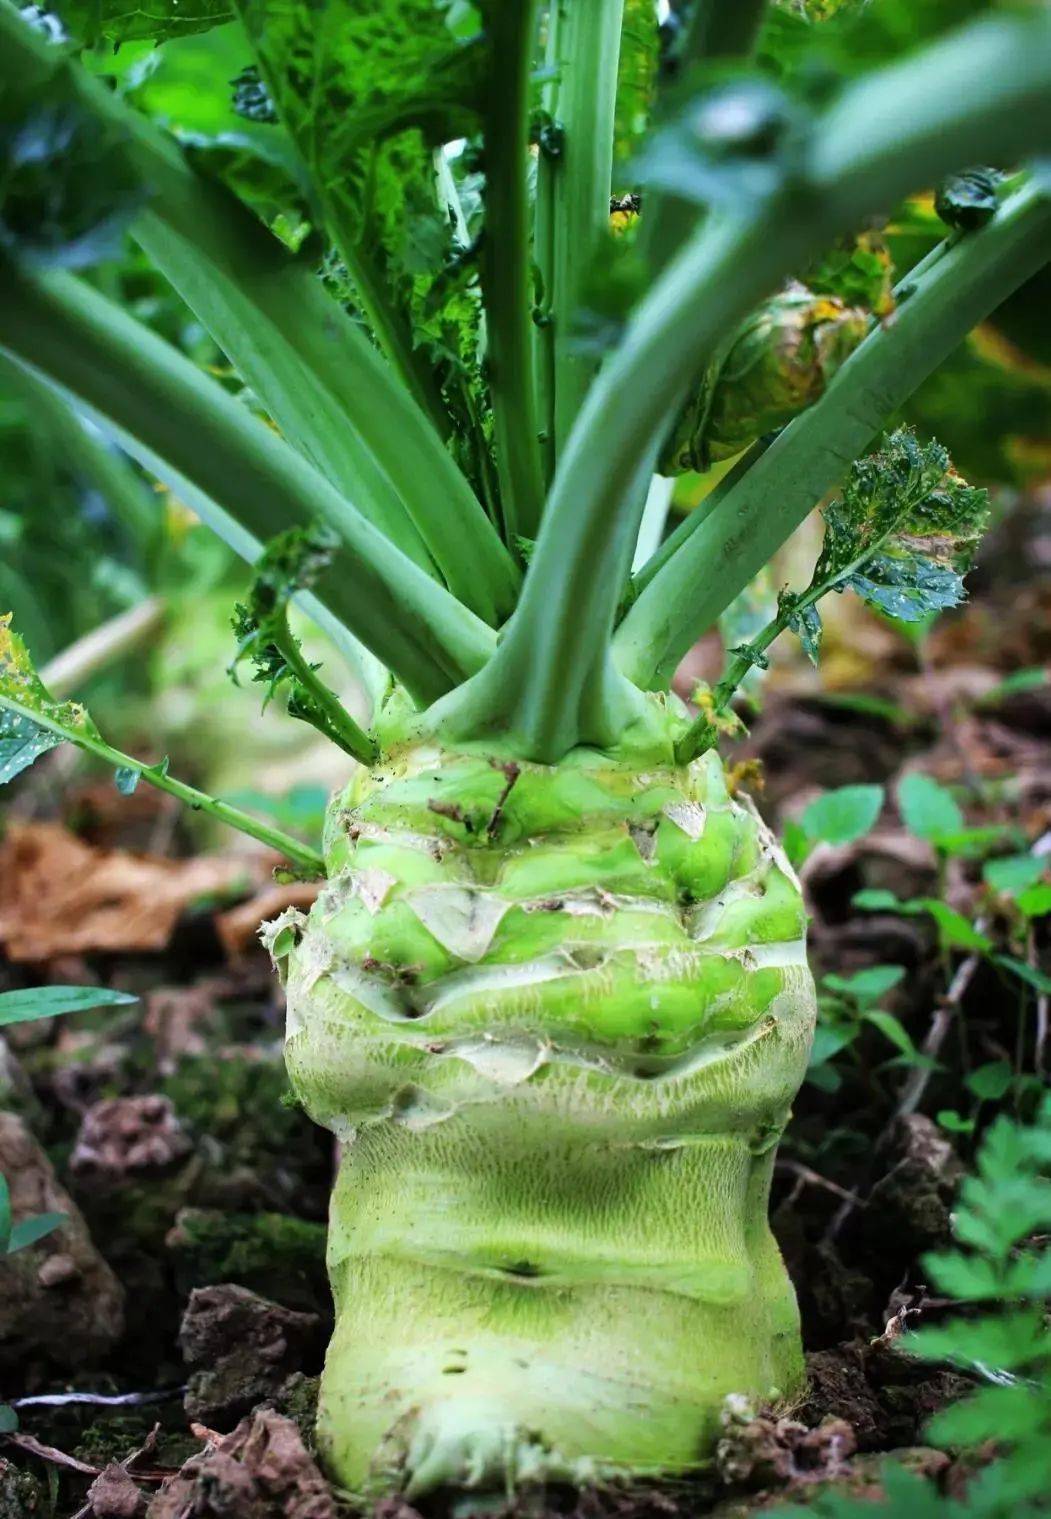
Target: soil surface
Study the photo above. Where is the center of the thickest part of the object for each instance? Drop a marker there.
(162, 1347)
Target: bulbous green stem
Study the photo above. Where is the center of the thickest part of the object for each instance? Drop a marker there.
(556, 1015)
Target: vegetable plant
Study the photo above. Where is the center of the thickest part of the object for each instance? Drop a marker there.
(553, 998)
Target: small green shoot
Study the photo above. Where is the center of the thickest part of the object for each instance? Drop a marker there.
(293, 561)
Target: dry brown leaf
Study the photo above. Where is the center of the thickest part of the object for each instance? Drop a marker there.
(59, 895)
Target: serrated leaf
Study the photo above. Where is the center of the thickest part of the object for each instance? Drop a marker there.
(1007, 1342)
(928, 809)
(31, 1003)
(24, 698)
(116, 21)
(992, 1413)
(368, 92)
(21, 743)
(842, 815)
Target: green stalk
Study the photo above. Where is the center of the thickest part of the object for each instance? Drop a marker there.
(188, 427)
(506, 283)
(198, 801)
(339, 726)
(389, 327)
(759, 508)
(311, 366)
(726, 267)
(574, 188)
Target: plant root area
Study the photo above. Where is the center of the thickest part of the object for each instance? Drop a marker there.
(159, 1351)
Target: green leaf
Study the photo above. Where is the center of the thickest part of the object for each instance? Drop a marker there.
(368, 92)
(867, 985)
(903, 532)
(993, 1413)
(8, 1419)
(115, 21)
(1014, 873)
(1031, 974)
(878, 899)
(21, 742)
(954, 930)
(31, 1230)
(954, 1123)
(797, 845)
(1035, 901)
(50, 1001)
(928, 809)
(1010, 1342)
(843, 815)
(893, 1030)
(990, 1082)
(23, 698)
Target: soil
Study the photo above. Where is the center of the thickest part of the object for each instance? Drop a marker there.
(163, 1346)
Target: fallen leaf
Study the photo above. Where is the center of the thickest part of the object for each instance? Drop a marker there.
(59, 895)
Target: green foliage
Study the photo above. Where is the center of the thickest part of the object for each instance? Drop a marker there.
(293, 562)
(928, 809)
(903, 532)
(25, 1006)
(843, 815)
(1001, 1271)
(847, 1005)
(901, 537)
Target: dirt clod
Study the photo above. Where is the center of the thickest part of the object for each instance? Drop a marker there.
(115, 1495)
(240, 1348)
(58, 1298)
(124, 1135)
(761, 1449)
(260, 1471)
